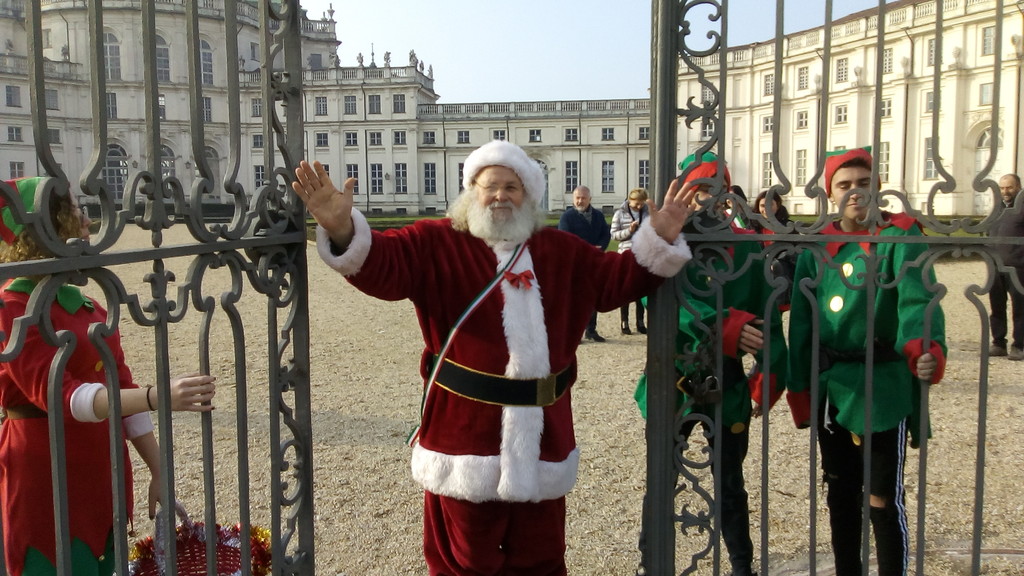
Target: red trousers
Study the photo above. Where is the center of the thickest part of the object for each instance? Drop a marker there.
(463, 538)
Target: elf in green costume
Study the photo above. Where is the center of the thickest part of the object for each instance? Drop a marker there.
(744, 297)
(908, 348)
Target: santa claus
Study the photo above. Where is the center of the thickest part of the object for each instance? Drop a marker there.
(502, 301)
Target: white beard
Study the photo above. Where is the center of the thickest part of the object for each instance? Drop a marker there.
(493, 227)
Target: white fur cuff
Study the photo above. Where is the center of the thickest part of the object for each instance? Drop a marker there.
(349, 262)
(137, 425)
(658, 256)
(81, 402)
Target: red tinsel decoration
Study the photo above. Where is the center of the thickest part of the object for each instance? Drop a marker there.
(190, 544)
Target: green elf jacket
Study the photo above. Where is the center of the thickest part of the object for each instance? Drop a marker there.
(744, 297)
(903, 305)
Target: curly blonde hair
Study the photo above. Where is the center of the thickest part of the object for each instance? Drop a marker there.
(65, 220)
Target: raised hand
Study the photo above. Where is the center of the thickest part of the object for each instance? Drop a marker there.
(668, 222)
(330, 207)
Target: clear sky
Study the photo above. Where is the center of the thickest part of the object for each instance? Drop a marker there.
(490, 51)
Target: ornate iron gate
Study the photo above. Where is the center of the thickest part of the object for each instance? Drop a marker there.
(694, 69)
(228, 299)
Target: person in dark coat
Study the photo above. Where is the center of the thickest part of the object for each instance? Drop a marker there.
(589, 224)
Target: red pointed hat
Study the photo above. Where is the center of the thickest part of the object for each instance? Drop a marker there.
(835, 159)
(707, 169)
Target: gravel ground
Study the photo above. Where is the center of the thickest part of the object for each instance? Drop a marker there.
(365, 395)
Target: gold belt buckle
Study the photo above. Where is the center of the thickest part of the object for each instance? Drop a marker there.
(546, 390)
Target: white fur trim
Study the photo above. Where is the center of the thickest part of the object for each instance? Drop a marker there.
(137, 425)
(661, 258)
(523, 321)
(476, 478)
(507, 154)
(349, 262)
(82, 402)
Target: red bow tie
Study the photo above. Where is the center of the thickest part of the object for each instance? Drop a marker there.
(521, 280)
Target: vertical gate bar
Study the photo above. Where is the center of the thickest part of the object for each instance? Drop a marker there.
(658, 525)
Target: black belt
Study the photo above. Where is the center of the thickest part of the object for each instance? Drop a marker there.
(22, 412)
(884, 352)
(495, 389)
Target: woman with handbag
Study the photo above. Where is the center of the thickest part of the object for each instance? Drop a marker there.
(25, 470)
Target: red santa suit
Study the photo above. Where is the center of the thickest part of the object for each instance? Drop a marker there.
(529, 328)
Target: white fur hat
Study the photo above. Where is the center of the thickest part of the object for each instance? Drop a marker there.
(504, 153)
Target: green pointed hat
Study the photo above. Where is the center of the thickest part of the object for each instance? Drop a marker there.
(9, 227)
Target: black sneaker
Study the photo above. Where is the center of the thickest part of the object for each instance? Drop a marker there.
(997, 350)
(625, 330)
(641, 329)
(595, 336)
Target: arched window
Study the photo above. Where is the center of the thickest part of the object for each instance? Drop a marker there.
(983, 149)
(112, 56)
(213, 161)
(115, 171)
(163, 60)
(206, 60)
(166, 161)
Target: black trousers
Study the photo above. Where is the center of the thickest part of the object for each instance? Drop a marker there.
(1002, 286)
(624, 314)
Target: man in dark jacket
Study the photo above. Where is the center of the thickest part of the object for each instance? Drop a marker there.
(1009, 224)
(587, 223)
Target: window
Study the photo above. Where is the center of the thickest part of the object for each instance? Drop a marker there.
(260, 173)
(883, 161)
(607, 176)
(398, 136)
(802, 119)
(929, 163)
(115, 170)
(254, 51)
(842, 70)
(766, 170)
(645, 133)
(462, 172)
(111, 56)
(17, 170)
(14, 134)
(571, 135)
(429, 178)
(886, 108)
(498, 135)
(207, 109)
(14, 96)
(111, 106)
(707, 95)
(801, 166)
(572, 175)
(375, 138)
(803, 74)
(401, 178)
(988, 40)
(351, 139)
(163, 60)
(53, 135)
(607, 134)
(842, 114)
(321, 139)
(707, 128)
(376, 178)
(167, 169)
(929, 102)
(161, 107)
(315, 61)
(350, 105)
(52, 99)
(320, 105)
(327, 168)
(257, 141)
(398, 103)
(930, 53)
(352, 171)
(429, 137)
(985, 96)
(767, 124)
(534, 134)
(644, 173)
(206, 62)
(256, 106)
(373, 105)
(887, 61)
(769, 84)
(46, 38)
(462, 136)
